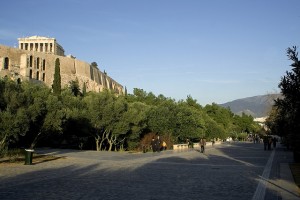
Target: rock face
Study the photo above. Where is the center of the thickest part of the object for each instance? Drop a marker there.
(39, 67)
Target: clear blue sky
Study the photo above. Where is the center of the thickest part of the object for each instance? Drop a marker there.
(214, 50)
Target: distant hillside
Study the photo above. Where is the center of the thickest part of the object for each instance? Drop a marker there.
(257, 106)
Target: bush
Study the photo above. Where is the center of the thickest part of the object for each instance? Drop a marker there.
(12, 154)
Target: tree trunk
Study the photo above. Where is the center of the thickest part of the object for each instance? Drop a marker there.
(114, 141)
(109, 140)
(103, 138)
(3, 142)
(97, 143)
(35, 140)
(122, 144)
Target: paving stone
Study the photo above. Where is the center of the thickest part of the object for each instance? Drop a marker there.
(227, 171)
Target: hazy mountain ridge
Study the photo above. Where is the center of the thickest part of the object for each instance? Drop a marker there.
(256, 106)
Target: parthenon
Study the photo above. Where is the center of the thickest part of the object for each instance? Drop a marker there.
(41, 44)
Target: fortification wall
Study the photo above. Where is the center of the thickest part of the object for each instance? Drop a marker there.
(30, 65)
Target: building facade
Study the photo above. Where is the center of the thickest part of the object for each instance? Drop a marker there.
(34, 61)
(41, 44)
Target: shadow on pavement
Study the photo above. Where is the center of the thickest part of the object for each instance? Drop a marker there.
(225, 172)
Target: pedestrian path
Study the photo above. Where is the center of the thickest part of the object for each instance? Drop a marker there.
(280, 183)
(229, 171)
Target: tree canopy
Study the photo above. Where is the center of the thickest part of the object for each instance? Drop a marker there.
(285, 115)
(32, 115)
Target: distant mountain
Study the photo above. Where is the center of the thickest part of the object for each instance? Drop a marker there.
(257, 106)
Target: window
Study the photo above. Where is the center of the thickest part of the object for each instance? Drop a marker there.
(6, 62)
(44, 64)
(38, 63)
(44, 77)
(37, 75)
(30, 61)
(30, 74)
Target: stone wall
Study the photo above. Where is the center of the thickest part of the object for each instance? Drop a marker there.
(32, 66)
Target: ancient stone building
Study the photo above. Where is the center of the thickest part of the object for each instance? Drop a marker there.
(41, 44)
(35, 61)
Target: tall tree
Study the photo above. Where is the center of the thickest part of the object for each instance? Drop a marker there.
(288, 108)
(56, 86)
(97, 112)
(84, 89)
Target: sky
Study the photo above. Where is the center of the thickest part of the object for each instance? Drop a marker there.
(215, 51)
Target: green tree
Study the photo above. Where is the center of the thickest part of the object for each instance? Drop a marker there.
(45, 112)
(222, 116)
(12, 126)
(189, 122)
(56, 86)
(287, 113)
(74, 87)
(84, 89)
(13, 117)
(51, 122)
(75, 126)
(100, 113)
(136, 119)
(245, 123)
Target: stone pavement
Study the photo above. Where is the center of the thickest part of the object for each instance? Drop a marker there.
(228, 171)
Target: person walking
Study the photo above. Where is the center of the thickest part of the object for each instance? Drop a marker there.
(158, 144)
(274, 142)
(270, 143)
(202, 145)
(153, 144)
(266, 141)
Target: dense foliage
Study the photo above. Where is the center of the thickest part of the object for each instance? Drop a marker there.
(32, 115)
(285, 116)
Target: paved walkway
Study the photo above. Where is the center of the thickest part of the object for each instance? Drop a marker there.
(227, 171)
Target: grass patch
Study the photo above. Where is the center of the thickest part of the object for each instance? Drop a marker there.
(295, 168)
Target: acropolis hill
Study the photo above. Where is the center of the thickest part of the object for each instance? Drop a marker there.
(34, 61)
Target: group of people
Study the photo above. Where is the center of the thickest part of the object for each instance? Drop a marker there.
(157, 145)
(202, 144)
(268, 141)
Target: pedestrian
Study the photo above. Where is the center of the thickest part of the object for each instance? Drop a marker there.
(274, 142)
(189, 143)
(265, 140)
(202, 144)
(158, 144)
(153, 144)
(269, 143)
(164, 144)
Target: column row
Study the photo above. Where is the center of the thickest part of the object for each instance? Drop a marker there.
(39, 47)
